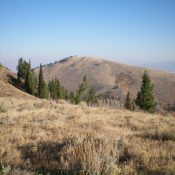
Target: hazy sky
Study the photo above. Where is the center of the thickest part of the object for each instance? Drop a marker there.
(130, 31)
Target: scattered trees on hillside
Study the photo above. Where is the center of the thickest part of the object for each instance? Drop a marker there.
(85, 93)
(56, 90)
(145, 99)
(26, 77)
(53, 89)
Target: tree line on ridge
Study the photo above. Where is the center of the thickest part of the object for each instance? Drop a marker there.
(54, 90)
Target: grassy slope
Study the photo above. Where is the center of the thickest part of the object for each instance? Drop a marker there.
(53, 136)
(8, 81)
(8, 90)
(102, 74)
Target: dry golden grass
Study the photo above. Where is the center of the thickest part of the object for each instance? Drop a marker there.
(8, 90)
(60, 138)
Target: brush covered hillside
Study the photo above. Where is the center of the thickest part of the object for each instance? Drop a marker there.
(54, 137)
(110, 78)
(8, 85)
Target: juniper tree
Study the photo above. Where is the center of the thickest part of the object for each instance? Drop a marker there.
(22, 69)
(66, 94)
(128, 102)
(54, 88)
(92, 98)
(29, 86)
(83, 90)
(42, 87)
(77, 98)
(72, 97)
(145, 99)
(34, 82)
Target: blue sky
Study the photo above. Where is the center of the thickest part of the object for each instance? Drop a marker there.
(129, 31)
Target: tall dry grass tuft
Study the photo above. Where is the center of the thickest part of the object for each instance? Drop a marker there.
(80, 155)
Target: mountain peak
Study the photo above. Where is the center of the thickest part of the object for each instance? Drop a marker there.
(76, 57)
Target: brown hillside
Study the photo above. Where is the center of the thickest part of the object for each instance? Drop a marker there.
(6, 75)
(8, 81)
(103, 74)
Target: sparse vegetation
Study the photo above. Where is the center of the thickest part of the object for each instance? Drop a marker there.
(85, 93)
(45, 136)
(53, 89)
(26, 77)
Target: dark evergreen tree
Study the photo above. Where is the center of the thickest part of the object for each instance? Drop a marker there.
(77, 98)
(92, 98)
(57, 91)
(72, 97)
(128, 102)
(42, 87)
(83, 90)
(145, 99)
(29, 86)
(57, 88)
(35, 83)
(66, 95)
(133, 105)
(53, 89)
(22, 69)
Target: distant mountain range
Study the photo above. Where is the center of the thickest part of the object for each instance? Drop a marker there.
(167, 66)
(109, 77)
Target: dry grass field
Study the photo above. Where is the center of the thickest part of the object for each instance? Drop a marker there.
(47, 137)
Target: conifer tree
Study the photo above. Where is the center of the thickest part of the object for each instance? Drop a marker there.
(77, 98)
(29, 86)
(57, 88)
(92, 98)
(34, 82)
(30, 81)
(66, 95)
(42, 87)
(83, 90)
(133, 105)
(53, 89)
(72, 97)
(22, 69)
(145, 99)
(128, 102)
